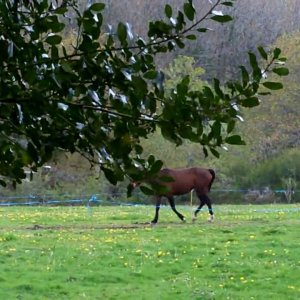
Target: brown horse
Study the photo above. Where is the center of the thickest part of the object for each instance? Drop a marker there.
(182, 181)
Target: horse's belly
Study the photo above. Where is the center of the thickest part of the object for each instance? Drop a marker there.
(177, 191)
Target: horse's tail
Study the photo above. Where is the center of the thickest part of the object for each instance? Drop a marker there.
(213, 174)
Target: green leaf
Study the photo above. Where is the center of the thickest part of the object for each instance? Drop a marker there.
(146, 190)
(227, 3)
(168, 11)
(217, 88)
(209, 95)
(66, 66)
(256, 70)
(214, 152)
(263, 53)
(264, 93)
(253, 60)
(52, 24)
(61, 10)
(183, 86)
(273, 85)
(138, 149)
(189, 11)
(245, 76)
(140, 86)
(166, 178)
(282, 59)
(30, 76)
(54, 52)
(180, 22)
(151, 74)
(97, 6)
(155, 168)
(159, 29)
(53, 39)
(216, 129)
(151, 159)
(250, 102)
(179, 43)
(281, 71)
(186, 132)
(202, 29)
(32, 151)
(222, 19)
(130, 189)
(191, 37)
(168, 132)
(122, 32)
(110, 175)
(276, 53)
(235, 140)
(159, 189)
(230, 126)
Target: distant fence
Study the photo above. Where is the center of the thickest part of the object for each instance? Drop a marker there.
(218, 197)
(256, 196)
(56, 200)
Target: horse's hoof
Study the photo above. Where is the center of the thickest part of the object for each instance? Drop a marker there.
(194, 219)
(211, 219)
(153, 223)
(183, 220)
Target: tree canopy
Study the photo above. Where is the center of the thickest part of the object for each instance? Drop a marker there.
(100, 93)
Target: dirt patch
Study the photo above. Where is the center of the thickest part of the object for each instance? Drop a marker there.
(137, 225)
(38, 227)
(86, 227)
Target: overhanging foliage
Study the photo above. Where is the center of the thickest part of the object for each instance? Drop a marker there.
(103, 92)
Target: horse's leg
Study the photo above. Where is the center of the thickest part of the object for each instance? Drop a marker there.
(157, 207)
(207, 201)
(172, 204)
(198, 209)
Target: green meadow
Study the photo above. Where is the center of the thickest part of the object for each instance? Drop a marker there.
(248, 252)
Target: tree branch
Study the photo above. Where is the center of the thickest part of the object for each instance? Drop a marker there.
(117, 49)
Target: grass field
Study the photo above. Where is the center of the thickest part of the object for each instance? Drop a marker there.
(249, 252)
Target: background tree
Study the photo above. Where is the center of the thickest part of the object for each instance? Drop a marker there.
(221, 50)
(277, 121)
(180, 67)
(100, 95)
(272, 149)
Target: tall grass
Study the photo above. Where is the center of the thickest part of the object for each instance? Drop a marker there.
(249, 252)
